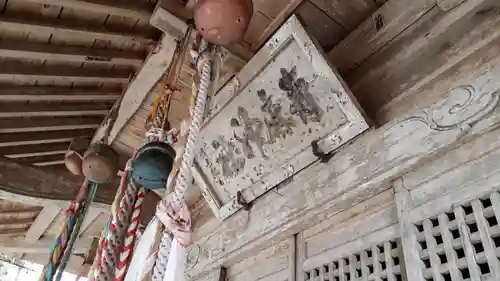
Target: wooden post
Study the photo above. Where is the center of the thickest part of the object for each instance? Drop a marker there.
(408, 234)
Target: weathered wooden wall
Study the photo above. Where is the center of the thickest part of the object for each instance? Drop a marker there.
(427, 76)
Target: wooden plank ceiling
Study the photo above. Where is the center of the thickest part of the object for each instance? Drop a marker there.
(63, 64)
(16, 219)
(327, 21)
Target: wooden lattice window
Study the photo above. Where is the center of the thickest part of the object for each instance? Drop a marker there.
(380, 262)
(462, 244)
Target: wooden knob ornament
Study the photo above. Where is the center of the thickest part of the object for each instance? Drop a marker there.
(73, 159)
(100, 163)
(223, 22)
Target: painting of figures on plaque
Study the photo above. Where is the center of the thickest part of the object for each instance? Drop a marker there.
(263, 132)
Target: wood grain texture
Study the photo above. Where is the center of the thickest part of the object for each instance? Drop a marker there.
(319, 26)
(38, 124)
(35, 186)
(33, 150)
(29, 50)
(43, 109)
(368, 38)
(442, 54)
(71, 28)
(349, 14)
(154, 67)
(417, 53)
(32, 138)
(41, 223)
(324, 190)
(132, 9)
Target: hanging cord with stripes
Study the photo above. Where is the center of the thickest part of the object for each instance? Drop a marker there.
(103, 241)
(130, 236)
(61, 241)
(120, 216)
(175, 202)
(76, 229)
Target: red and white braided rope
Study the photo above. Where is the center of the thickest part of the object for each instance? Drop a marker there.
(128, 245)
(117, 232)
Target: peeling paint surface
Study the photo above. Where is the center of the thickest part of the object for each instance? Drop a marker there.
(272, 119)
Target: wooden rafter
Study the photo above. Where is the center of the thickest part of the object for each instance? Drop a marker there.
(133, 9)
(61, 74)
(29, 50)
(41, 187)
(40, 109)
(20, 211)
(13, 231)
(15, 221)
(73, 28)
(154, 67)
(37, 124)
(41, 223)
(42, 137)
(33, 150)
(49, 163)
(43, 160)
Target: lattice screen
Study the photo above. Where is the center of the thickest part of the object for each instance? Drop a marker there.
(380, 262)
(463, 244)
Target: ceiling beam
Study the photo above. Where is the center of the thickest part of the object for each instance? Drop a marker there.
(152, 70)
(13, 231)
(37, 124)
(47, 109)
(15, 221)
(42, 160)
(20, 211)
(42, 137)
(41, 223)
(61, 74)
(131, 9)
(29, 50)
(39, 187)
(49, 163)
(14, 152)
(276, 23)
(56, 94)
(72, 28)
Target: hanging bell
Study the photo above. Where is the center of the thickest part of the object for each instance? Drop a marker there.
(153, 164)
(223, 22)
(100, 163)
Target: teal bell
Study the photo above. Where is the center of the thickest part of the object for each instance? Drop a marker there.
(152, 165)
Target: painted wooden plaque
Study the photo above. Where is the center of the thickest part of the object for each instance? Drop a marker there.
(261, 125)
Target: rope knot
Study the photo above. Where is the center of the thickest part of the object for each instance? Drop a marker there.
(73, 206)
(175, 218)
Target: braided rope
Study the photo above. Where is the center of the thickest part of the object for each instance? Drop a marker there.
(92, 274)
(128, 246)
(61, 241)
(76, 229)
(117, 231)
(162, 258)
(184, 177)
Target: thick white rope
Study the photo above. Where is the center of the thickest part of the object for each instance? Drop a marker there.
(184, 177)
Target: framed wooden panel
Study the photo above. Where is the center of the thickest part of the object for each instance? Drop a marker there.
(261, 125)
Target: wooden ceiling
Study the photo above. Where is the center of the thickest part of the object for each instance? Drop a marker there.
(327, 21)
(63, 64)
(16, 219)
